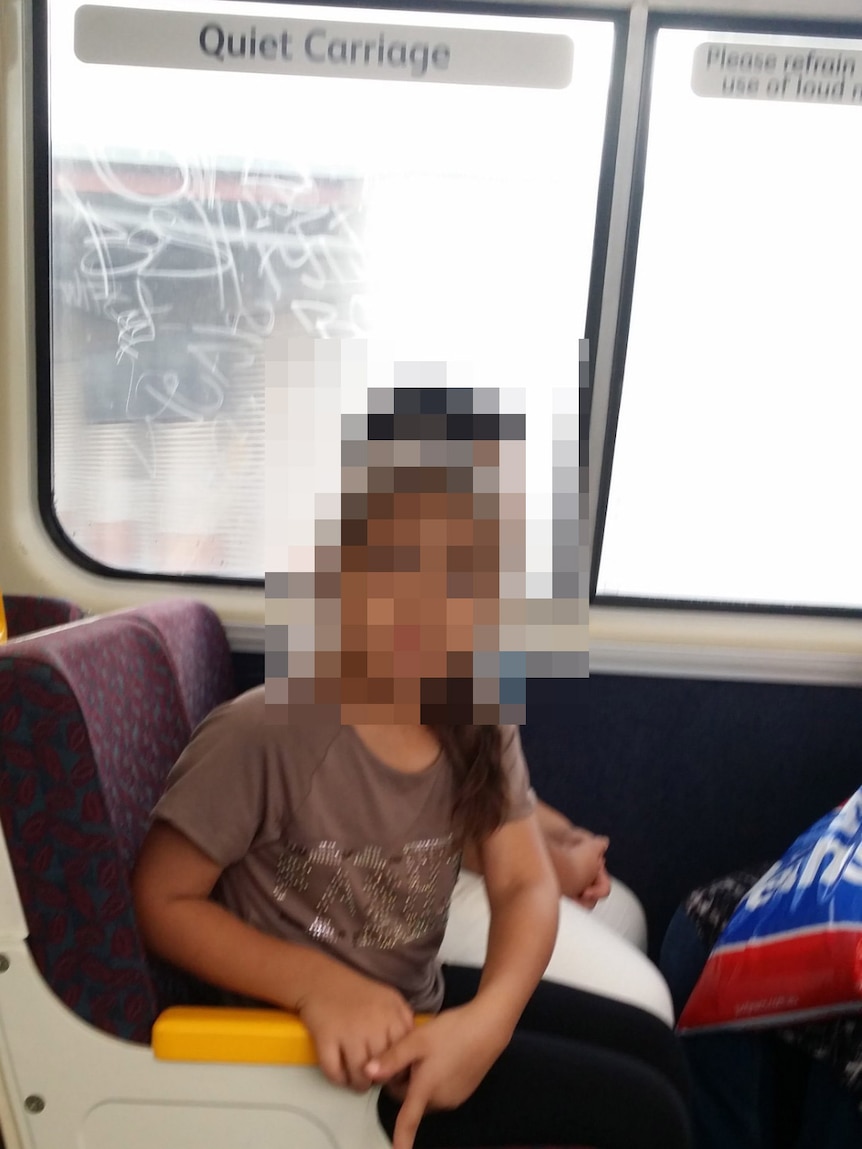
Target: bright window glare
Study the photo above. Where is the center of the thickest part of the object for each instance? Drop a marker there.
(736, 469)
(203, 220)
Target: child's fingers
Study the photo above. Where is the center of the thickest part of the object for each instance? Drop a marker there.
(409, 1115)
(395, 1059)
(594, 893)
(354, 1059)
(330, 1062)
(399, 1029)
(397, 1086)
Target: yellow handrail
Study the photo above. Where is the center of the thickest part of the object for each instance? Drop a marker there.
(253, 1036)
(227, 1034)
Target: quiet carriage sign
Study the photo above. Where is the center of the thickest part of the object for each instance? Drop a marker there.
(321, 47)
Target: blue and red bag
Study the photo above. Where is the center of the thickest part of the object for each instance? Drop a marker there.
(793, 949)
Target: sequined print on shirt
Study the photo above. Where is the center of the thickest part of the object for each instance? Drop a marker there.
(379, 900)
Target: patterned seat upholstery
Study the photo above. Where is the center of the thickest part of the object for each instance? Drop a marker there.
(26, 613)
(92, 717)
(195, 641)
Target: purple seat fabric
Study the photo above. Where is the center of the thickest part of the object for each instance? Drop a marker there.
(91, 720)
(26, 613)
(195, 642)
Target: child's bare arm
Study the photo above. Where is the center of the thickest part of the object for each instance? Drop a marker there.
(524, 897)
(577, 855)
(351, 1017)
(450, 1056)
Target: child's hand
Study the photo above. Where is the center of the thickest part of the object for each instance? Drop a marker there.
(580, 866)
(353, 1019)
(437, 1066)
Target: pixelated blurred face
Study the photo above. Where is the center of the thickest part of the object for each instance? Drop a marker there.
(419, 574)
(421, 604)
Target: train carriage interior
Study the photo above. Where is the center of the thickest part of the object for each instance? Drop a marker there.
(224, 225)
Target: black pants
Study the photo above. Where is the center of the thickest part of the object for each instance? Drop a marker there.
(579, 1070)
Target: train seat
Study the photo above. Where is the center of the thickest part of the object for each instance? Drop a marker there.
(196, 645)
(92, 717)
(26, 613)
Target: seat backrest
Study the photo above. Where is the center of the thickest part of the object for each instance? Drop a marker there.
(195, 642)
(91, 721)
(26, 613)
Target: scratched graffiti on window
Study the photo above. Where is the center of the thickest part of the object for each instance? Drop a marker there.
(186, 271)
(172, 282)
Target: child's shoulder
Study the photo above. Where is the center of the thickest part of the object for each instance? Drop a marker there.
(251, 720)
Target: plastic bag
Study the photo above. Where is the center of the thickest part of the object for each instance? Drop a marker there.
(793, 949)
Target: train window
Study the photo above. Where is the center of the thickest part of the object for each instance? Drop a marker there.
(224, 179)
(736, 468)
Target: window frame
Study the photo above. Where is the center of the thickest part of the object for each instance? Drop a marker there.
(689, 21)
(41, 205)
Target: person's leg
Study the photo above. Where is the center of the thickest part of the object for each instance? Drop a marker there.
(577, 1015)
(733, 1073)
(560, 1081)
(547, 1091)
(587, 954)
(682, 958)
(831, 1118)
(733, 1085)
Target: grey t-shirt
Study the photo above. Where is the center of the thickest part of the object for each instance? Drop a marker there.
(323, 844)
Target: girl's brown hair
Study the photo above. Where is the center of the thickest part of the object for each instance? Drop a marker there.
(476, 755)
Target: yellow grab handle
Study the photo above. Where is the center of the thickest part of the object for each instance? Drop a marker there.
(226, 1034)
(255, 1036)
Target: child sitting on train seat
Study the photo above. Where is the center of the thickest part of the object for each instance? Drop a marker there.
(310, 835)
(798, 1087)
